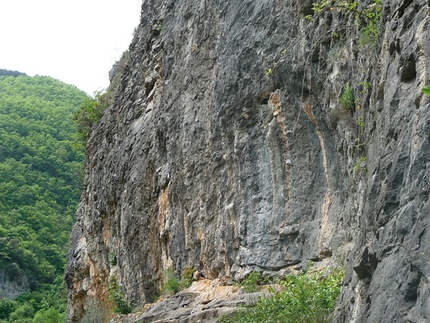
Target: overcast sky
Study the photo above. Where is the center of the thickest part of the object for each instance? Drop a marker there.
(74, 41)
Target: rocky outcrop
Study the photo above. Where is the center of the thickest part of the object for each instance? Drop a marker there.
(226, 150)
(13, 282)
(205, 301)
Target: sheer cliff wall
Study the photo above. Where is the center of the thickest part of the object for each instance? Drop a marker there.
(226, 149)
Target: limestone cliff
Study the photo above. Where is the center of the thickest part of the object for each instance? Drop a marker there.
(226, 149)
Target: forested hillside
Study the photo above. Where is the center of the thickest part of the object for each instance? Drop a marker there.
(40, 173)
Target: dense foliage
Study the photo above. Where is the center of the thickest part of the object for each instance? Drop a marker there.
(40, 175)
(307, 298)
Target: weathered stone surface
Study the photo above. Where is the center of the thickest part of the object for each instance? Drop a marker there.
(205, 301)
(206, 160)
(13, 282)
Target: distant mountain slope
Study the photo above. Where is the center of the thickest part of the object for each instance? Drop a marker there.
(4, 72)
(39, 180)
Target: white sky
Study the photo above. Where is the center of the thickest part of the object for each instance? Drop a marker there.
(75, 41)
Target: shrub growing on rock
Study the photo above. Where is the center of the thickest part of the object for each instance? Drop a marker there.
(307, 298)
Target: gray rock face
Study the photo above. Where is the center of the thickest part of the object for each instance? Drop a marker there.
(226, 149)
(13, 282)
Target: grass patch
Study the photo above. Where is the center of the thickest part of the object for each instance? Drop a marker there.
(307, 298)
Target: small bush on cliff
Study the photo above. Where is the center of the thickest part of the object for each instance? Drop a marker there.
(92, 109)
(347, 99)
(307, 298)
(187, 278)
(360, 165)
(249, 284)
(113, 260)
(122, 306)
(90, 112)
(172, 283)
